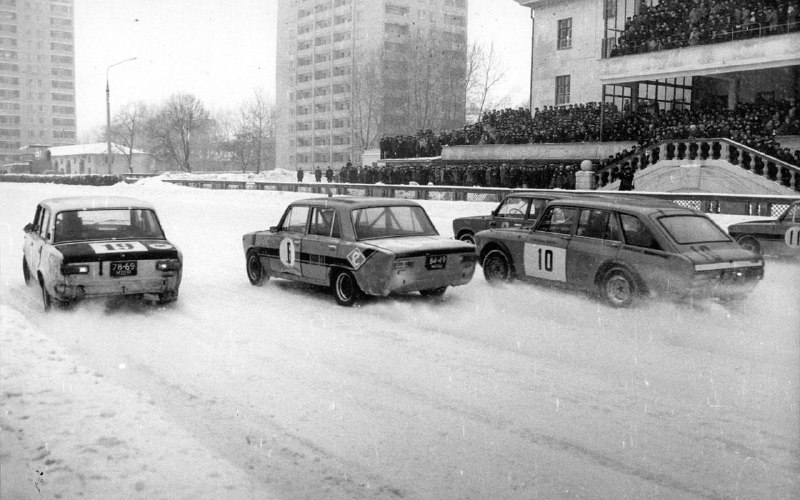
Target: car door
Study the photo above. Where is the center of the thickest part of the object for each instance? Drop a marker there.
(36, 238)
(289, 238)
(320, 244)
(787, 237)
(511, 212)
(545, 251)
(597, 240)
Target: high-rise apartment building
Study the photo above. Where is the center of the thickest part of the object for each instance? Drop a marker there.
(352, 71)
(37, 75)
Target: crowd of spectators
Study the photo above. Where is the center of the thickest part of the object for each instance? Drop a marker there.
(671, 24)
(507, 175)
(753, 124)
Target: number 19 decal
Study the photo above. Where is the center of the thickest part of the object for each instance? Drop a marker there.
(545, 262)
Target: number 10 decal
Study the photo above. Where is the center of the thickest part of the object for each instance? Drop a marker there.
(545, 262)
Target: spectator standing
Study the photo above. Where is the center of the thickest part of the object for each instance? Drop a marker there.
(300, 174)
(318, 174)
(329, 174)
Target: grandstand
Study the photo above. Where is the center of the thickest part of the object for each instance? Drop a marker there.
(710, 84)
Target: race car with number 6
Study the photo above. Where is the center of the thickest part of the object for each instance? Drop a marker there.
(623, 251)
(99, 246)
(358, 246)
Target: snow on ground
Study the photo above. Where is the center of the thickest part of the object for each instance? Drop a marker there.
(494, 392)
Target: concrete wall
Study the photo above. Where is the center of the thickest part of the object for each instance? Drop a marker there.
(581, 61)
(561, 151)
(714, 176)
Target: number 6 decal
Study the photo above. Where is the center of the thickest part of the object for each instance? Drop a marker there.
(287, 252)
(545, 262)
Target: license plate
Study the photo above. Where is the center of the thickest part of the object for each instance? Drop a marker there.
(433, 262)
(122, 269)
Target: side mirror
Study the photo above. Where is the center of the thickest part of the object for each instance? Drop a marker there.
(273, 229)
(28, 227)
(493, 224)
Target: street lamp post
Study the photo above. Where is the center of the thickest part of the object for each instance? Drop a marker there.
(108, 115)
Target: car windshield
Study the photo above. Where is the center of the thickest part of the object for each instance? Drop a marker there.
(107, 224)
(691, 229)
(388, 222)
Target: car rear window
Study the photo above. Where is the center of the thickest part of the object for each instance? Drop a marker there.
(692, 229)
(387, 222)
(124, 223)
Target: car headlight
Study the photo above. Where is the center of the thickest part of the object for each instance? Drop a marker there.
(74, 269)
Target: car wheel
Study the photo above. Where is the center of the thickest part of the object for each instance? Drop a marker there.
(26, 273)
(619, 289)
(433, 292)
(255, 271)
(496, 267)
(345, 288)
(47, 300)
(167, 297)
(467, 237)
(750, 243)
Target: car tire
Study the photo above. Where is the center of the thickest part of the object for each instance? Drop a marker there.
(167, 298)
(750, 243)
(345, 288)
(619, 288)
(467, 237)
(26, 273)
(433, 292)
(255, 271)
(47, 299)
(496, 266)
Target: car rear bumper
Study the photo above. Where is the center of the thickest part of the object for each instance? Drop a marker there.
(67, 291)
(404, 281)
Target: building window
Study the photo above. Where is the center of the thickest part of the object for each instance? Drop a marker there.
(565, 33)
(562, 90)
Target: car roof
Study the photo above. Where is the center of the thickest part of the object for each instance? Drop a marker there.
(94, 203)
(640, 205)
(355, 202)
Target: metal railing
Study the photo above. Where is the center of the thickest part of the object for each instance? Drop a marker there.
(755, 30)
(703, 149)
(759, 205)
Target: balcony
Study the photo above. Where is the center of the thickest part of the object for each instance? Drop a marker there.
(739, 55)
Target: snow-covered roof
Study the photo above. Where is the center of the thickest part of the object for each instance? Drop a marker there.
(95, 148)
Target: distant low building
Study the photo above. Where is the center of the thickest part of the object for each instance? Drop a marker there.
(92, 159)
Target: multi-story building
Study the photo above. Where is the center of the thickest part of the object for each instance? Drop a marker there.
(631, 52)
(352, 71)
(37, 76)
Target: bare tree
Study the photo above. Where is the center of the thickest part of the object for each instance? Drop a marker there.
(258, 125)
(177, 128)
(488, 71)
(367, 100)
(127, 130)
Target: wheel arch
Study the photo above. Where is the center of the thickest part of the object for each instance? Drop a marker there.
(498, 245)
(607, 266)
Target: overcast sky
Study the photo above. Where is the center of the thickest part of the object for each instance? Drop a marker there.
(222, 50)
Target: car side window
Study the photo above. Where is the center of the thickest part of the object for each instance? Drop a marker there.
(558, 220)
(599, 224)
(512, 207)
(636, 233)
(536, 207)
(324, 222)
(43, 228)
(295, 219)
(794, 214)
(37, 219)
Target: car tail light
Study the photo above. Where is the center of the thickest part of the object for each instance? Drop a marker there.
(469, 258)
(168, 265)
(74, 269)
(399, 265)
